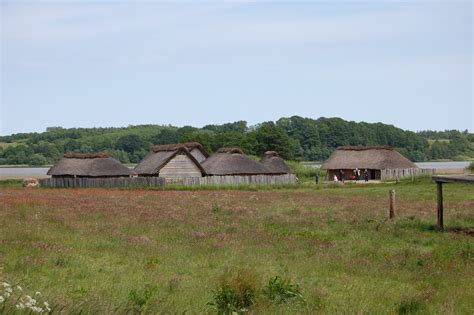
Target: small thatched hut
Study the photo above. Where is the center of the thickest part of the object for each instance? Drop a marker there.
(274, 163)
(170, 161)
(232, 161)
(372, 159)
(89, 165)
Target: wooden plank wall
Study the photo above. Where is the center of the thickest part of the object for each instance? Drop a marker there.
(87, 182)
(389, 174)
(237, 180)
(181, 166)
(64, 182)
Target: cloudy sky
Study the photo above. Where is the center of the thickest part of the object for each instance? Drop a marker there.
(119, 63)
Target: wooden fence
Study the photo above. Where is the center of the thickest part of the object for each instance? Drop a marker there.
(390, 174)
(87, 182)
(236, 180)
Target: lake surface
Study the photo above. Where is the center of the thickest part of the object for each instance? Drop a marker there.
(443, 165)
(22, 172)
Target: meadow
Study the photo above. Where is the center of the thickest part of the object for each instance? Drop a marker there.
(153, 251)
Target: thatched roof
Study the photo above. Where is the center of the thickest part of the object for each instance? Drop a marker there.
(366, 158)
(160, 155)
(75, 155)
(89, 164)
(274, 163)
(173, 147)
(232, 161)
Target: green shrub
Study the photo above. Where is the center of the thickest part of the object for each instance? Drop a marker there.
(235, 294)
(139, 299)
(412, 306)
(471, 167)
(280, 290)
(305, 172)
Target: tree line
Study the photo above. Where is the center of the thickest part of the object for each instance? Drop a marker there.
(295, 138)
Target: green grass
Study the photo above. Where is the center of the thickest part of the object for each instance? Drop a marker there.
(11, 183)
(117, 251)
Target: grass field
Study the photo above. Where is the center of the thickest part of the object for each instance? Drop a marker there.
(113, 251)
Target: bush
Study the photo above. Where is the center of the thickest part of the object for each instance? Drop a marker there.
(235, 294)
(139, 299)
(412, 306)
(471, 167)
(304, 172)
(280, 290)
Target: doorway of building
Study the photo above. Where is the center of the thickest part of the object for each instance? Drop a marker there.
(372, 174)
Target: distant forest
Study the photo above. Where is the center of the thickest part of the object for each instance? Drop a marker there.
(295, 138)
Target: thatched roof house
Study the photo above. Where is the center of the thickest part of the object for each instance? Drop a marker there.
(374, 159)
(274, 163)
(232, 161)
(89, 165)
(170, 161)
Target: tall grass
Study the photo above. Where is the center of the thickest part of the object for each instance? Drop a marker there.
(306, 173)
(149, 251)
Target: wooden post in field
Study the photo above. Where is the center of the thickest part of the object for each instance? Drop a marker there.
(392, 205)
(440, 206)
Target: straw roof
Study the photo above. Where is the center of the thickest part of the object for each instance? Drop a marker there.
(86, 155)
(173, 147)
(367, 158)
(232, 161)
(160, 156)
(274, 163)
(90, 165)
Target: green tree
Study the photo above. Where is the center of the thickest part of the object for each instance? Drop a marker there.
(130, 143)
(37, 159)
(271, 137)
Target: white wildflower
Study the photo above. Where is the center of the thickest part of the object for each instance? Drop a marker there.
(29, 301)
(36, 309)
(8, 289)
(20, 306)
(6, 294)
(46, 306)
(37, 293)
(2, 299)
(19, 288)
(5, 285)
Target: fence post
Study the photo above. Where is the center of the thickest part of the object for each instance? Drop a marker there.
(392, 205)
(440, 206)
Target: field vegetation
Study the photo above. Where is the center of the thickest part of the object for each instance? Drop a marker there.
(325, 249)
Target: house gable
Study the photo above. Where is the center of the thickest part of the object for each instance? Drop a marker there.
(180, 166)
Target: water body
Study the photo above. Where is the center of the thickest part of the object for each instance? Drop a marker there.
(22, 172)
(12, 172)
(444, 165)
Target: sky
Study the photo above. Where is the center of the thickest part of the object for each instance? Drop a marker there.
(119, 63)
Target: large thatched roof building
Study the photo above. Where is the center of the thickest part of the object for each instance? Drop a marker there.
(89, 165)
(232, 161)
(274, 163)
(170, 161)
(372, 159)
